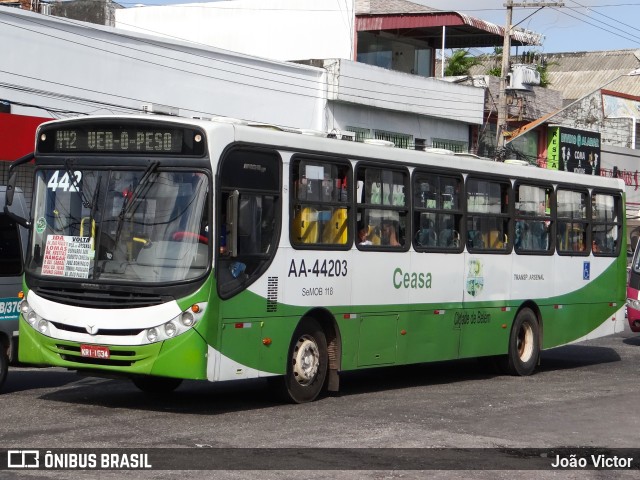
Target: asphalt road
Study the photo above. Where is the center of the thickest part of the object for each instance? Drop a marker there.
(581, 396)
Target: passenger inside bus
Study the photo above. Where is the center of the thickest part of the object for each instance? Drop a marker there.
(449, 238)
(426, 236)
(389, 232)
(363, 234)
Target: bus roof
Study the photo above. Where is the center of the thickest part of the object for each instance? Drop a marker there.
(300, 140)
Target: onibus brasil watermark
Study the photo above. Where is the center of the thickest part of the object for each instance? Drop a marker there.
(77, 460)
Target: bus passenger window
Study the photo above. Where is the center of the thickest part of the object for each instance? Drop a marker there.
(437, 212)
(606, 225)
(533, 219)
(489, 223)
(321, 203)
(573, 222)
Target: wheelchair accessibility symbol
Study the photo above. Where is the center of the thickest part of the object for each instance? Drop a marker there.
(586, 270)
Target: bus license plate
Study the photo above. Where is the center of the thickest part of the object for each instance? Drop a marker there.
(94, 351)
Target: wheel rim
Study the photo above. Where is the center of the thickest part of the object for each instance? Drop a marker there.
(306, 360)
(525, 342)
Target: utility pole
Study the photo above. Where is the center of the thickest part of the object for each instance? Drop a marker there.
(502, 95)
(501, 126)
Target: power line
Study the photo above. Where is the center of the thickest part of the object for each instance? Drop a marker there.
(454, 97)
(618, 22)
(422, 96)
(617, 34)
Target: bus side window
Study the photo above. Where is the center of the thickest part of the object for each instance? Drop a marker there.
(249, 225)
(321, 203)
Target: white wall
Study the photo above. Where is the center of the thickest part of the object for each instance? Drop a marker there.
(385, 89)
(62, 64)
(276, 29)
(627, 161)
(342, 115)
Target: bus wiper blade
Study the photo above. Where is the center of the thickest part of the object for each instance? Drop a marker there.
(92, 214)
(142, 184)
(74, 182)
(129, 201)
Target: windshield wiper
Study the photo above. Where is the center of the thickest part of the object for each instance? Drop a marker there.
(74, 182)
(96, 240)
(143, 185)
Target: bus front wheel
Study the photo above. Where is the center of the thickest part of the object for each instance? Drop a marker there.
(524, 344)
(307, 363)
(156, 385)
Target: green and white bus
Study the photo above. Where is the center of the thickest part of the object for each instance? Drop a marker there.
(164, 249)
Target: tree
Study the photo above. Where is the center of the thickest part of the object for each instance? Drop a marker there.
(496, 61)
(542, 68)
(460, 63)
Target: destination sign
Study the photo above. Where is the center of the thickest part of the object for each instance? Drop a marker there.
(119, 139)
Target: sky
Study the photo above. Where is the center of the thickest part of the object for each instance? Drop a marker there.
(580, 25)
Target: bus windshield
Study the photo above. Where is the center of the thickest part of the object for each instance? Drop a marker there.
(142, 226)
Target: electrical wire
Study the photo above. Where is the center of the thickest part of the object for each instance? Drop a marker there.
(395, 101)
(235, 64)
(422, 96)
(624, 35)
(618, 22)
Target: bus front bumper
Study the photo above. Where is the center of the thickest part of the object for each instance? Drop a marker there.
(184, 356)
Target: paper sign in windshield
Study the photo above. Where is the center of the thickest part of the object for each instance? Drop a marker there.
(67, 256)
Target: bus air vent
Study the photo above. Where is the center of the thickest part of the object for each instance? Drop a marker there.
(272, 294)
(99, 298)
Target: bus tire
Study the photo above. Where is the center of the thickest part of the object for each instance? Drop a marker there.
(524, 344)
(4, 364)
(307, 363)
(156, 385)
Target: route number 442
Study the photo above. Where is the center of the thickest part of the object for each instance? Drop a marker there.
(63, 182)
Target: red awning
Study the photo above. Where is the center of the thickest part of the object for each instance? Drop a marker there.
(463, 31)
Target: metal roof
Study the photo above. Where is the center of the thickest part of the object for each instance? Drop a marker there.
(577, 74)
(425, 23)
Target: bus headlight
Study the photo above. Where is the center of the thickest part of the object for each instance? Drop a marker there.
(43, 326)
(633, 303)
(32, 317)
(187, 319)
(24, 307)
(152, 335)
(35, 320)
(170, 329)
(177, 325)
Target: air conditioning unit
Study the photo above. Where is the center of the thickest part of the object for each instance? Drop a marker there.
(159, 109)
(523, 77)
(343, 135)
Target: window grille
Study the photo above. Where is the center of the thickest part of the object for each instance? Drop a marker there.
(361, 133)
(453, 145)
(400, 140)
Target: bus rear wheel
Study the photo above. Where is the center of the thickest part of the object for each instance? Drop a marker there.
(306, 363)
(156, 385)
(524, 344)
